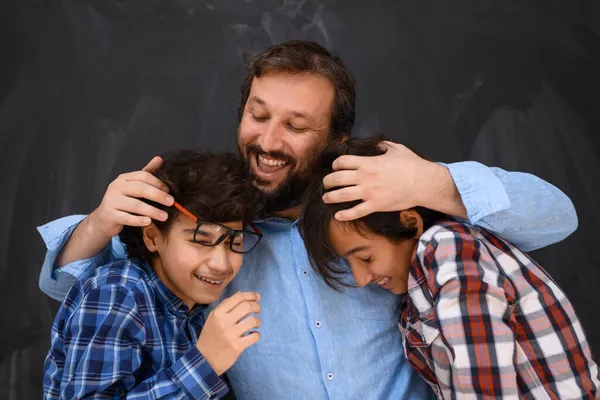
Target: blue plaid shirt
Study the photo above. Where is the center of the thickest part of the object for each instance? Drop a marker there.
(124, 332)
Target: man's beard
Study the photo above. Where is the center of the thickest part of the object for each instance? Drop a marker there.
(289, 193)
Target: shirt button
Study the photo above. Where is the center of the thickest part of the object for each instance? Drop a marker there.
(305, 273)
(318, 324)
(330, 376)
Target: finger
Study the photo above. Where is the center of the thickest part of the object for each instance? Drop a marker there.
(249, 340)
(348, 162)
(349, 193)
(153, 165)
(146, 177)
(340, 178)
(123, 218)
(358, 211)
(245, 325)
(231, 302)
(142, 190)
(243, 309)
(132, 205)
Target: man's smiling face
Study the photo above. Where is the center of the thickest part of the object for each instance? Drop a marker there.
(284, 127)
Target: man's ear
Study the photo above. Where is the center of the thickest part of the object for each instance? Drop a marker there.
(412, 219)
(153, 237)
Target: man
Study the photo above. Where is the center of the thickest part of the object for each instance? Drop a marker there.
(295, 99)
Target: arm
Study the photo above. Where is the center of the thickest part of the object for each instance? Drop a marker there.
(519, 207)
(75, 246)
(102, 344)
(120, 206)
(56, 282)
(86, 241)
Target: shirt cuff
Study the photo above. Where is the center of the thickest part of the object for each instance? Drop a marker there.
(56, 282)
(196, 378)
(481, 191)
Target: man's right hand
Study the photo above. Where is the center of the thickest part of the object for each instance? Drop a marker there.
(122, 206)
(223, 337)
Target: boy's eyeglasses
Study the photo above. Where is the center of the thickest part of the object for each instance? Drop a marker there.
(212, 234)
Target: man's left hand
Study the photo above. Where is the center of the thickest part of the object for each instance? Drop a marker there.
(396, 180)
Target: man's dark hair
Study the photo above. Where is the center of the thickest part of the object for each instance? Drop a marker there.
(213, 187)
(303, 57)
(317, 215)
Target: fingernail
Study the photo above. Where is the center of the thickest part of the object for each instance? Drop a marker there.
(324, 198)
(170, 199)
(339, 216)
(164, 216)
(146, 221)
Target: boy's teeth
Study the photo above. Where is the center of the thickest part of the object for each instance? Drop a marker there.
(208, 280)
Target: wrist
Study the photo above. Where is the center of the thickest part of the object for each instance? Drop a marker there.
(97, 227)
(442, 194)
(209, 359)
(434, 183)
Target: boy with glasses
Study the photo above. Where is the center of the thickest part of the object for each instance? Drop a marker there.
(136, 328)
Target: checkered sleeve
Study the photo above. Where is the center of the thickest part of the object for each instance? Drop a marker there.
(472, 311)
(103, 346)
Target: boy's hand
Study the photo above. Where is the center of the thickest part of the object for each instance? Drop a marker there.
(222, 338)
(122, 206)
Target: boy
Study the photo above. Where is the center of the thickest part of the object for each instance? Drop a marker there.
(479, 318)
(135, 329)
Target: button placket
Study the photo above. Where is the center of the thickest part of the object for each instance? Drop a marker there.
(315, 312)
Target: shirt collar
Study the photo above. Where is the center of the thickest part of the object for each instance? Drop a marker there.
(168, 298)
(274, 221)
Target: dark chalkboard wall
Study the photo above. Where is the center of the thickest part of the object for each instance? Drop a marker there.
(89, 89)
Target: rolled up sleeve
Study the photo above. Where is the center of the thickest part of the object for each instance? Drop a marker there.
(519, 207)
(56, 282)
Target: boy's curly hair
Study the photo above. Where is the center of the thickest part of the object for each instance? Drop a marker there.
(214, 187)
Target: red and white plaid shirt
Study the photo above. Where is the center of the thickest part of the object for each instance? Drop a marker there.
(483, 320)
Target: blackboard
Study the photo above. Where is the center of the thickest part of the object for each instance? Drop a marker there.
(89, 89)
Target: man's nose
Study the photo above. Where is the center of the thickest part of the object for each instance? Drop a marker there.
(270, 138)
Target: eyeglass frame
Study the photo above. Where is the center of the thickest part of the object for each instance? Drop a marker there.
(230, 232)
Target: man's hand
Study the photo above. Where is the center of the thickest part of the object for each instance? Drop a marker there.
(223, 338)
(122, 206)
(119, 207)
(394, 181)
